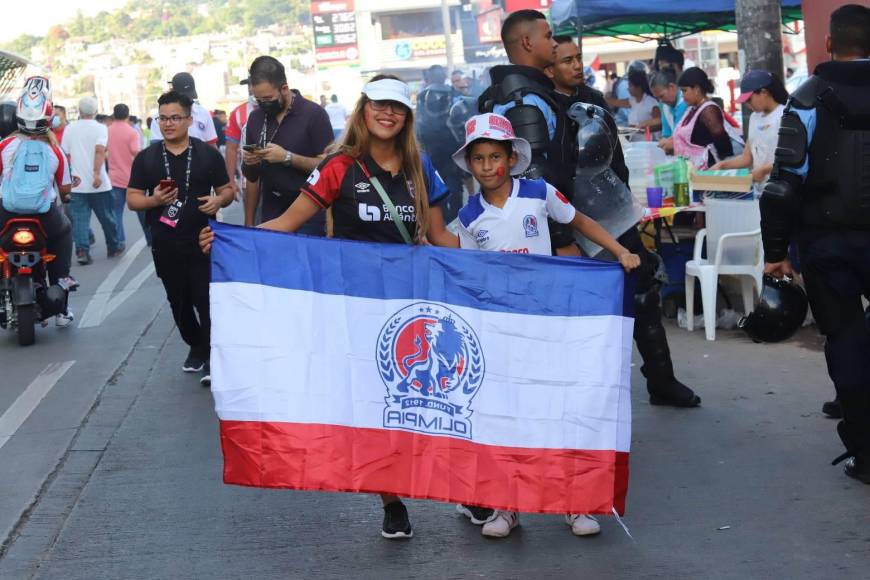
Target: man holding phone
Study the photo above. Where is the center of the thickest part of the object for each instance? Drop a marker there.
(286, 136)
(172, 181)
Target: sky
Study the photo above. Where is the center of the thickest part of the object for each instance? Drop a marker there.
(50, 12)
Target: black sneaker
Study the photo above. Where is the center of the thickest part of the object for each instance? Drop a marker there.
(833, 409)
(193, 363)
(478, 515)
(205, 381)
(396, 523)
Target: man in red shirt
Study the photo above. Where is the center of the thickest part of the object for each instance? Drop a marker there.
(235, 137)
(58, 122)
(124, 144)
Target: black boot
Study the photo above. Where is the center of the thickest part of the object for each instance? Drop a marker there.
(652, 343)
(833, 409)
(858, 462)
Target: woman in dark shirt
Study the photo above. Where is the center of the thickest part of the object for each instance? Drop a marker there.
(379, 147)
(702, 136)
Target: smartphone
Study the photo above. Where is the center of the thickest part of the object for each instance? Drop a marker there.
(167, 184)
(251, 148)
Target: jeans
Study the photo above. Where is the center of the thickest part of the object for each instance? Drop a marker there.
(57, 230)
(184, 271)
(119, 201)
(81, 206)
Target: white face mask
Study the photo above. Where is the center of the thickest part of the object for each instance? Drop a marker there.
(55, 122)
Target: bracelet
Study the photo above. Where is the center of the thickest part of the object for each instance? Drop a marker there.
(288, 158)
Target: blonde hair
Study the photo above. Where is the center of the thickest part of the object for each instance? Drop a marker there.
(356, 142)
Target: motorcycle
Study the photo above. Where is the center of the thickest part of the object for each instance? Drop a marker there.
(25, 295)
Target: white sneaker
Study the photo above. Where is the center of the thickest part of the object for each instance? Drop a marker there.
(583, 524)
(501, 525)
(64, 320)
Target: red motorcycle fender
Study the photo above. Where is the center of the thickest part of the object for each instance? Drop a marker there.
(23, 292)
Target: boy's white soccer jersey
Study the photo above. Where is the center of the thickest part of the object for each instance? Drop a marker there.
(520, 227)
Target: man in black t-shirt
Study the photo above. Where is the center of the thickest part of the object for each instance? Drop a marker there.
(172, 181)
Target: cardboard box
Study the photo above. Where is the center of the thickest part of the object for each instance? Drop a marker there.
(736, 180)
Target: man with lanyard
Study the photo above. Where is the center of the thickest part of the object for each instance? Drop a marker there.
(663, 85)
(171, 181)
(819, 194)
(285, 138)
(541, 120)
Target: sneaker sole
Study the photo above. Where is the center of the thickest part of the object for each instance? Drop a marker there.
(467, 513)
(665, 402)
(205, 382)
(192, 369)
(398, 535)
(581, 534)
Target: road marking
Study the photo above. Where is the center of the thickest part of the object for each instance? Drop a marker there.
(129, 289)
(20, 410)
(97, 308)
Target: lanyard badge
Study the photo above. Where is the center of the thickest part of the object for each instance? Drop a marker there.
(172, 213)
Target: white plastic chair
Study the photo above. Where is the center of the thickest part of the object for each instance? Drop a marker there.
(733, 237)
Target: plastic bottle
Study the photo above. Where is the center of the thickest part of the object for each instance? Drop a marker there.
(681, 183)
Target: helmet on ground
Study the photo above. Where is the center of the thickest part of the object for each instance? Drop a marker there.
(781, 310)
(595, 140)
(34, 111)
(8, 125)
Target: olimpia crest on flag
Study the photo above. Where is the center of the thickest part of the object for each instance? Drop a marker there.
(432, 364)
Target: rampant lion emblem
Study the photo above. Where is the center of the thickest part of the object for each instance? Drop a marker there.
(432, 365)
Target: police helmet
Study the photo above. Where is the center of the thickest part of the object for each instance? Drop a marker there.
(595, 140)
(461, 111)
(781, 310)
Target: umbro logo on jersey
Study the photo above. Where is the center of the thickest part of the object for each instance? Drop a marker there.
(369, 213)
(482, 236)
(363, 186)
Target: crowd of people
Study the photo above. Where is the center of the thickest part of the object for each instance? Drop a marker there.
(389, 172)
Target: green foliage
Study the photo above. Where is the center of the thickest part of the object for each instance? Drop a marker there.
(146, 19)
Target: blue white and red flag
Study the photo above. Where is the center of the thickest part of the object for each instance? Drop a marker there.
(456, 375)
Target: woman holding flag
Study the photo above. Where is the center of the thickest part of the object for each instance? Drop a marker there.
(380, 189)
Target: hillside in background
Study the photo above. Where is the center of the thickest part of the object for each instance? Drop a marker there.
(149, 19)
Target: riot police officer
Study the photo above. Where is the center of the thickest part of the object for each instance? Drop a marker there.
(524, 94)
(819, 195)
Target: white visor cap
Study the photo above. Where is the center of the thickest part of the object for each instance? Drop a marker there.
(388, 90)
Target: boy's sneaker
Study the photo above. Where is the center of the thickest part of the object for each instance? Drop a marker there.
(501, 524)
(69, 284)
(83, 257)
(583, 524)
(478, 515)
(397, 526)
(193, 363)
(205, 381)
(65, 319)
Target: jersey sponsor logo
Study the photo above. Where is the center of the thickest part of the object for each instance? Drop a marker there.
(369, 213)
(314, 177)
(432, 365)
(482, 236)
(530, 225)
(516, 251)
(363, 186)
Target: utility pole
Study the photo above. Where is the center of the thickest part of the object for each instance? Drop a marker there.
(759, 38)
(448, 35)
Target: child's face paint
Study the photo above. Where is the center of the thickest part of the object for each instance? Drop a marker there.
(501, 171)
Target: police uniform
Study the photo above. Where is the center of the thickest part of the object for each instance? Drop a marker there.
(819, 195)
(538, 114)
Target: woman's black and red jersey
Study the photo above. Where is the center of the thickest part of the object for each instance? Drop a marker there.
(343, 183)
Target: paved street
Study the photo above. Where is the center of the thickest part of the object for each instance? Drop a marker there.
(116, 471)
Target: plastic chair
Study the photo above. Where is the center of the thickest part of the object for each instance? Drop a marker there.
(733, 239)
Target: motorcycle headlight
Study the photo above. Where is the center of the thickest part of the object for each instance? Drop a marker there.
(23, 238)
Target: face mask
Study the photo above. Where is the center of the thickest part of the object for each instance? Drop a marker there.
(55, 122)
(252, 101)
(272, 107)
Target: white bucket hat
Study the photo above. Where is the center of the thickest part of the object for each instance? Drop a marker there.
(388, 90)
(497, 128)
